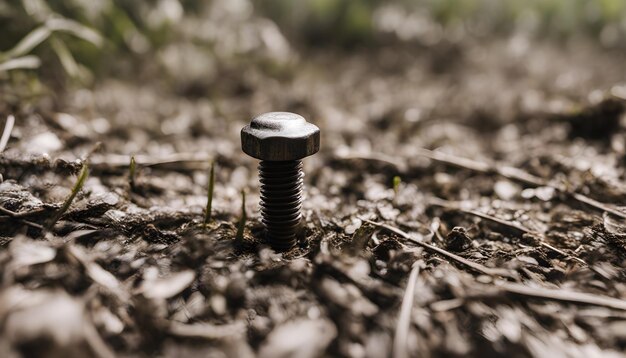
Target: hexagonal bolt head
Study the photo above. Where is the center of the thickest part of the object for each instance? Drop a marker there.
(280, 136)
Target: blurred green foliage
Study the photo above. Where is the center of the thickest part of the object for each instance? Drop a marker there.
(319, 22)
(353, 22)
(57, 42)
(82, 39)
(82, 35)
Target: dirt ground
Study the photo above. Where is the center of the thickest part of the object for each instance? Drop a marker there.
(502, 236)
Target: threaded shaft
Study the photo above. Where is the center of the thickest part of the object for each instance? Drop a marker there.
(281, 201)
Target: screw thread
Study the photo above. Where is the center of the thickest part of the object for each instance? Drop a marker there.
(281, 201)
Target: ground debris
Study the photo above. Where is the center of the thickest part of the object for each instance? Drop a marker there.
(477, 214)
(597, 121)
(302, 338)
(458, 240)
(48, 322)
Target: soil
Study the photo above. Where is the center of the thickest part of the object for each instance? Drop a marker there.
(503, 236)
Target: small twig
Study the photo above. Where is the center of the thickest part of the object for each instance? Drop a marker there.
(507, 172)
(563, 295)
(473, 265)
(455, 161)
(512, 226)
(6, 134)
(8, 212)
(598, 205)
(177, 161)
(19, 216)
(518, 228)
(404, 319)
(530, 292)
(27, 222)
(22, 214)
(517, 175)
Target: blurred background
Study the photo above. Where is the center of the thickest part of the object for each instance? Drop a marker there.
(149, 70)
(188, 43)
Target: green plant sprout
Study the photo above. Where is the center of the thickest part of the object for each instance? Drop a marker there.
(82, 178)
(132, 171)
(396, 184)
(209, 201)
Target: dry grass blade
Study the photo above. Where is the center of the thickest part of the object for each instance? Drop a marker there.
(404, 319)
(521, 290)
(455, 161)
(473, 265)
(82, 177)
(485, 168)
(563, 295)
(499, 221)
(6, 134)
(22, 214)
(512, 226)
(176, 162)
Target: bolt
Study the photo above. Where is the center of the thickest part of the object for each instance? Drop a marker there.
(280, 140)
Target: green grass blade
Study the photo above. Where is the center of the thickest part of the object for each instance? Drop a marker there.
(396, 184)
(32, 40)
(65, 57)
(132, 171)
(21, 63)
(82, 178)
(209, 201)
(75, 28)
